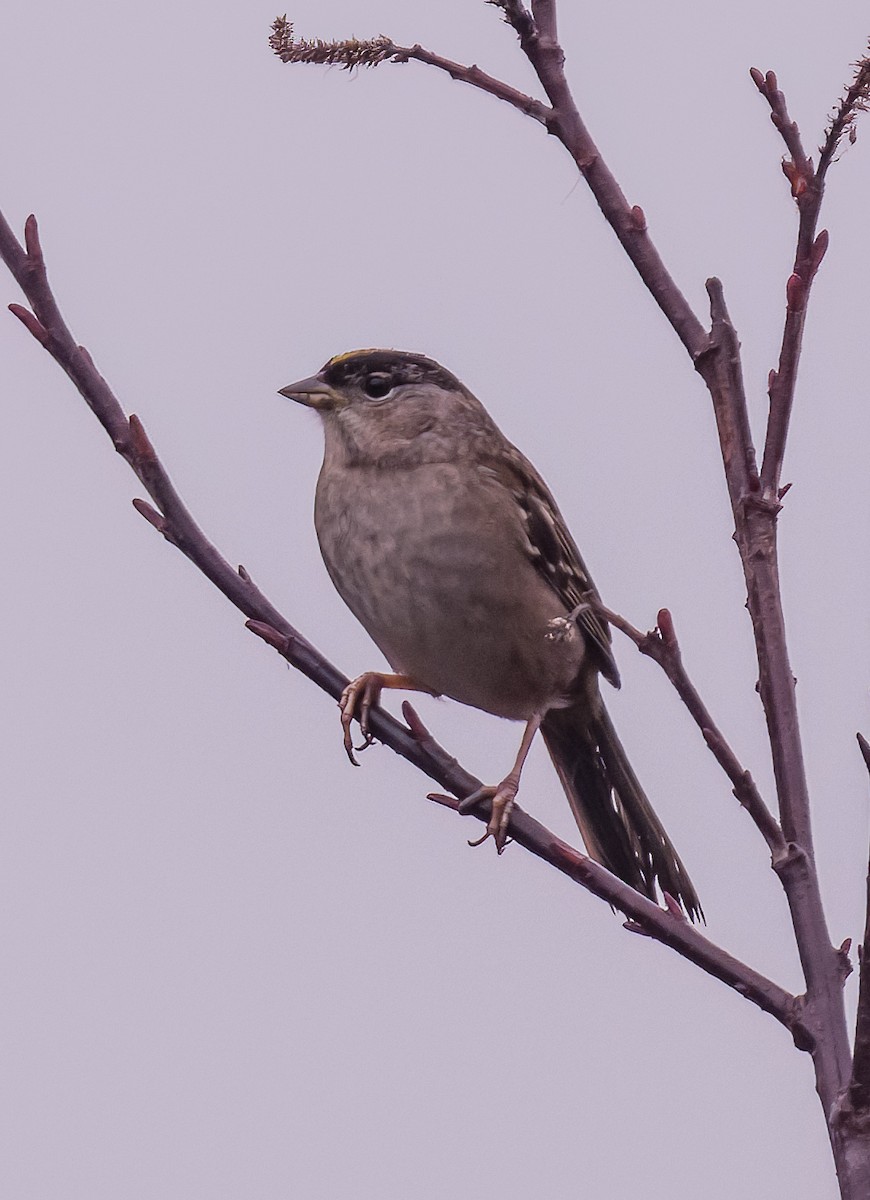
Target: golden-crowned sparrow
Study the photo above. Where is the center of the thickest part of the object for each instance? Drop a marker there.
(448, 547)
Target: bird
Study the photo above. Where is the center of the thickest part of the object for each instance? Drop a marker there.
(450, 550)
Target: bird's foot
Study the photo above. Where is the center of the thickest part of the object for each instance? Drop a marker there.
(362, 694)
(502, 801)
(356, 701)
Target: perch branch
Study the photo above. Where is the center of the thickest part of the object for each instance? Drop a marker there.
(174, 521)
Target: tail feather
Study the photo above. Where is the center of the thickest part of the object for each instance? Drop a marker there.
(617, 822)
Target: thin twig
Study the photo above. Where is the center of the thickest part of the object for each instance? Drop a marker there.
(755, 533)
(661, 645)
(858, 1096)
(800, 166)
(722, 371)
(563, 120)
(174, 520)
(351, 53)
(478, 79)
(807, 189)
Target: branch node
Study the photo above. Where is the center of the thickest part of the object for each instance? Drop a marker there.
(795, 292)
(444, 800)
(636, 927)
(820, 249)
(798, 175)
(638, 219)
(804, 1037)
(31, 242)
(140, 443)
(243, 573)
(32, 323)
(419, 732)
(151, 515)
(667, 633)
(281, 642)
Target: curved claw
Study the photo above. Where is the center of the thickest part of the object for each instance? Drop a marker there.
(362, 692)
(502, 798)
(499, 849)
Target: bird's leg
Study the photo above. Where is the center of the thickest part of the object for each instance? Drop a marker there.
(503, 796)
(363, 692)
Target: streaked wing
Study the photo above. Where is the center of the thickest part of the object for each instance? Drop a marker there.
(553, 551)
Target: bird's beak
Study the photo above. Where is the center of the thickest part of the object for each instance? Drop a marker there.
(311, 391)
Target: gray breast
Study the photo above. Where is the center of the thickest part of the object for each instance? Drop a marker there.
(429, 562)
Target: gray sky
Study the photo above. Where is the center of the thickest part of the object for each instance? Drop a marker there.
(233, 966)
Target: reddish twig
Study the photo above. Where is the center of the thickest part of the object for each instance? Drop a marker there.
(722, 371)
(851, 1118)
(661, 645)
(352, 53)
(807, 188)
(175, 522)
(858, 1096)
(478, 79)
(538, 41)
(755, 514)
(799, 166)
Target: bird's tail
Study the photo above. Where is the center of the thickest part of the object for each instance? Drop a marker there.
(617, 822)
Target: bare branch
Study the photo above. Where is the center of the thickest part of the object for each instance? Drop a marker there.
(661, 645)
(353, 53)
(722, 371)
(479, 79)
(415, 744)
(800, 167)
(807, 189)
(563, 120)
(858, 1096)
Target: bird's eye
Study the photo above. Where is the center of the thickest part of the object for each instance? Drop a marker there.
(377, 386)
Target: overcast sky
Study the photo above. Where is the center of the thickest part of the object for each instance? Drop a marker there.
(232, 965)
